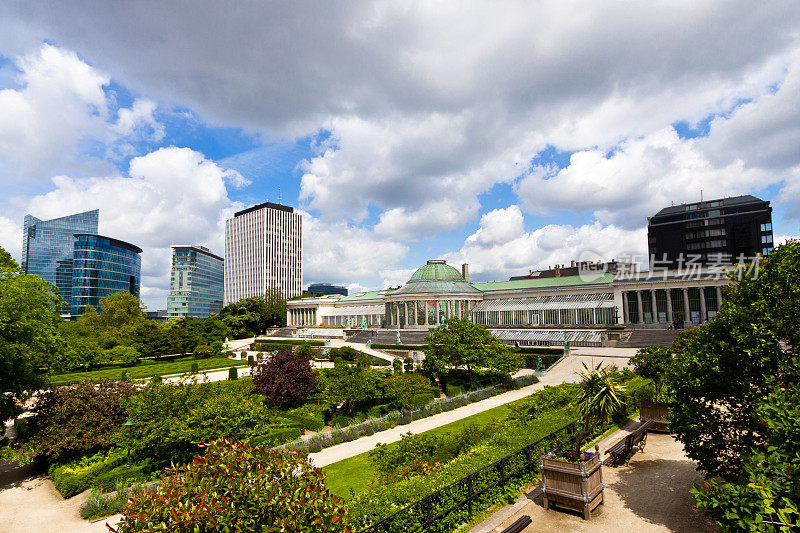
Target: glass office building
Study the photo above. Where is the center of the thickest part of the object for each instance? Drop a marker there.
(102, 266)
(195, 288)
(48, 245)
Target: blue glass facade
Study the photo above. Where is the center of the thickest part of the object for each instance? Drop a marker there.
(102, 266)
(195, 282)
(48, 245)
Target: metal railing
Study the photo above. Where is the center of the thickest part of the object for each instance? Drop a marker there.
(472, 493)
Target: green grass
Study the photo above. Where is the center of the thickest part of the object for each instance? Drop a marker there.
(357, 472)
(146, 370)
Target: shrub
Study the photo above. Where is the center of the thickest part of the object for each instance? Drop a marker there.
(305, 350)
(123, 354)
(236, 487)
(194, 368)
(405, 388)
(82, 418)
(233, 374)
(243, 354)
(285, 379)
(397, 366)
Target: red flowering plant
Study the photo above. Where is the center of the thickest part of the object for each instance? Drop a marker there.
(237, 487)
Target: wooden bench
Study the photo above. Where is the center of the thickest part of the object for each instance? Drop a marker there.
(519, 525)
(624, 448)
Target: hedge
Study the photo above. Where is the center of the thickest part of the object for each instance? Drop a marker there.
(398, 347)
(293, 342)
(540, 350)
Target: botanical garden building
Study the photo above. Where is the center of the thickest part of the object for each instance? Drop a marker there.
(533, 310)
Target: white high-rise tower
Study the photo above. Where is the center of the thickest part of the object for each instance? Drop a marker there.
(263, 250)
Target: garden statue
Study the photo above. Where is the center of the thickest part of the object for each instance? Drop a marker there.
(539, 364)
(398, 338)
(369, 343)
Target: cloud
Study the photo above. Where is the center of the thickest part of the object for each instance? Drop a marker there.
(430, 105)
(59, 109)
(340, 252)
(170, 196)
(515, 252)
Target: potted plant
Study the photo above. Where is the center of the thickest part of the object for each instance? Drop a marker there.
(653, 363)
(573, 478)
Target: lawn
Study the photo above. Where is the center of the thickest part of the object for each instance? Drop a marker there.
(357, 472)
(146, 369)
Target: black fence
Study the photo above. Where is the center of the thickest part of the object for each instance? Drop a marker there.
(455, 504)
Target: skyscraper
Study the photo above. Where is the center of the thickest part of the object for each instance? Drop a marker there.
(263, 250)
(47, 248)
(102, 266)
(195, 288)
(715, 231)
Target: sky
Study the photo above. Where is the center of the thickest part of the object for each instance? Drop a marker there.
(508, 135)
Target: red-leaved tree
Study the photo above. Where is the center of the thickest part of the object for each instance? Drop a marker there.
(285, 379)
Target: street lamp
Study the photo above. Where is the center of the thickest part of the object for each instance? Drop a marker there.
(129, 424)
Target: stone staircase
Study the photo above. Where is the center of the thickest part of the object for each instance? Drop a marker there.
(389, 336)
(641, 338)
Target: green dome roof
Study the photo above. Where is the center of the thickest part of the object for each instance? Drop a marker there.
(435, 270)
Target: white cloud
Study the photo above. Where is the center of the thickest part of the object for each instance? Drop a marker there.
(340, 252)
(170, 196)
(637, 180)
(553, 244)
(11, 237)
(60, 104)
(431, 105)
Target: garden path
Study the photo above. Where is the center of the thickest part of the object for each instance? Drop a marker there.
(565, 371)
(651, 494)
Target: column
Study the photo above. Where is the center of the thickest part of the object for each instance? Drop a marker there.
(654, 305)
(686, 312)
(425, 311)
(703, 314)
(639, 308)
(624, 307)
(405, 309)
(397, 314)
(670, 318)
(719, 297)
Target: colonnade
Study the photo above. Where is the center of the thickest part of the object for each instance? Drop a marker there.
(690, 305)
(421, 313)
(303, 317)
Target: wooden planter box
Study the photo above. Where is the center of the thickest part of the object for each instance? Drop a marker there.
(576, 486)
(657, 412)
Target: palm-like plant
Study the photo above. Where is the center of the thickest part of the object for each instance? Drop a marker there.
(599, 396)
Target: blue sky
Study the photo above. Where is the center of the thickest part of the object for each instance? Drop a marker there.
(398, 134)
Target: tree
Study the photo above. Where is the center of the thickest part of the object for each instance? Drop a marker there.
(122, 354)
(653, 363)
(29, 333)
(285, 379)
(723, 369)
(121, 317)
(251, 316)
(460, 343)
(347, 384)
(768, 491)
(405, 387)
(237, 487)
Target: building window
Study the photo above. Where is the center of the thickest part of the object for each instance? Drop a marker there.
(766, 227)
(766, 251)
(766, 239)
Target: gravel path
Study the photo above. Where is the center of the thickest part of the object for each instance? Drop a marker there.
(651, 495)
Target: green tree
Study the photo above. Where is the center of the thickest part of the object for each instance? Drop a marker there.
(251, 316)
(122, 354)
(29, 333)
(347, 384)
(653, 363)
(723, 369)
(765, 497)
(460, 343)
(404, 387)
